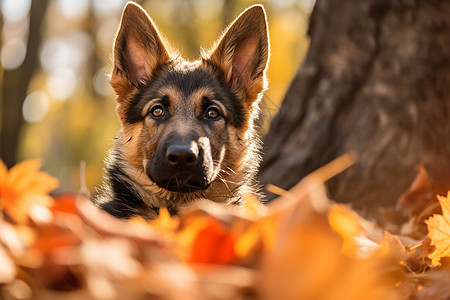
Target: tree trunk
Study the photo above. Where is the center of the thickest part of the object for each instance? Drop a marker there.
(376, 80)
(14, 87)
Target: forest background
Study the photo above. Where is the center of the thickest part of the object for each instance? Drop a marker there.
(56, 101)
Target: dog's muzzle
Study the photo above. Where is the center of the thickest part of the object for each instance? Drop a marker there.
(181, 167)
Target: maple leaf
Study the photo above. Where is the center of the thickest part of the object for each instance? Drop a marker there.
(439, 231)
(23, 187)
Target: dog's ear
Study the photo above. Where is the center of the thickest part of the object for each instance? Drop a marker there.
(242, 53)
(138, 49)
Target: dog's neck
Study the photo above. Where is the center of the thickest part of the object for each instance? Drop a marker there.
(226, 188)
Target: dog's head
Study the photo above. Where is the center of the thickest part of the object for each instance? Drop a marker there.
(185, 122)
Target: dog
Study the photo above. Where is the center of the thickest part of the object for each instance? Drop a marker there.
(187, 128)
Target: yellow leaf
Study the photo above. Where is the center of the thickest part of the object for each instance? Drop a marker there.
(165, 221)
(247, 240)
(345, 222)
(24, 186)
(439, 231)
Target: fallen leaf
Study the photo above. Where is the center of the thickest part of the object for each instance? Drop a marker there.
(18, 289)
(66, 203)
(112, 257)
(345, 222)
(418, 196)
(207, 240)
(439, 231)
(308, 263)
(23, 187)
(164, 221)
(437, 286)
(51, 237)
(8, 268)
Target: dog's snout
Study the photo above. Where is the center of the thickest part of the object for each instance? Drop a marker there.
(180, 166)
(181, 155)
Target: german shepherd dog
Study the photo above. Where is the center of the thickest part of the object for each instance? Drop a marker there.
(187, 128)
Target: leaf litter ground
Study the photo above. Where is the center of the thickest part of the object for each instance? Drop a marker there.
(301, 246)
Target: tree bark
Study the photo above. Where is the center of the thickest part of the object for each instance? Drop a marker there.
(14, 87)
(376, 80)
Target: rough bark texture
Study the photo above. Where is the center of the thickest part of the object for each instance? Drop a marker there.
(376, 80)
(14, 87)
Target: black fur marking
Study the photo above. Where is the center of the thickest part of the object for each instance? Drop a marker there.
(134, 112)
(120, 198)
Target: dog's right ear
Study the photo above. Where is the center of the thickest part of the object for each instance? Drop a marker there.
(138, 50)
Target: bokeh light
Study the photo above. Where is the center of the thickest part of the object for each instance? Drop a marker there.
(101, 82)
(61, 83)
(15, 10)
(73, 9)
(208, 9)
(13, 53)
(105, 7)
(35, 107)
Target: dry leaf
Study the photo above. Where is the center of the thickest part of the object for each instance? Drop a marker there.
(308, 264)
(207, 240)
(439, 231)
(165, 222)
(66, 203)
(112, 256)
(300, 247)
(51, 237)
(24, 186)
(418, 196)
(8, 268)
(345, 222)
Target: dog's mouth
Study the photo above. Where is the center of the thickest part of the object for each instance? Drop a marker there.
(184, 183)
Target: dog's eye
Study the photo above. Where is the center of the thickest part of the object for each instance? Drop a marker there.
(157, 111)
(213, 113)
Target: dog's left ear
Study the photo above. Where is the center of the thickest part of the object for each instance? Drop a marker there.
(242, 53)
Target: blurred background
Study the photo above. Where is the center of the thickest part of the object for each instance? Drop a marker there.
(55, 100)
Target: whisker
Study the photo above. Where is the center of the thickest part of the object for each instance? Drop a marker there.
(168, 183)
(187, 179)
(225, 182)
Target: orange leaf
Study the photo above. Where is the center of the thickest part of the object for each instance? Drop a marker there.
(345, 222)
(66, 203)
(164, 225)
(439, 231)
(248, 239)
(213, 242)
(51, 237)
(165, 221)
(23, 187)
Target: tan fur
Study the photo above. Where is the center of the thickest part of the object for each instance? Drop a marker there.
(132, 149)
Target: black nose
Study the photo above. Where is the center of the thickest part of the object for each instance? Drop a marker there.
(181, 156)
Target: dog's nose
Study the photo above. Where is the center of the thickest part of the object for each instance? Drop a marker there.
(181, 156)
